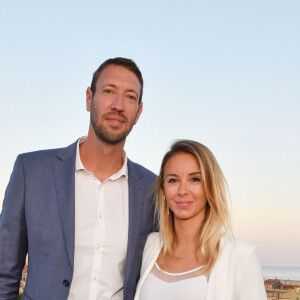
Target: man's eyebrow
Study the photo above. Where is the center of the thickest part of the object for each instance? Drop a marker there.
(132, 91)
(114, 86)
(109, 84)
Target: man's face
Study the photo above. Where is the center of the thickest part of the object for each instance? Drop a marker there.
(115, 104)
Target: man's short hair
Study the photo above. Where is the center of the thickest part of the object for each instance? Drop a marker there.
(127, 63)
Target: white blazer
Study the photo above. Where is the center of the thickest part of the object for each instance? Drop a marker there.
(235, 276)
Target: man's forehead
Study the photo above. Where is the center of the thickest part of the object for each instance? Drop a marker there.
(115, 72)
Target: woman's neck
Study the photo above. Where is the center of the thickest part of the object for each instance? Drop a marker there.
(187, 231)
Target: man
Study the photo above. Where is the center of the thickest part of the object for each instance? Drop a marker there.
(82, 212)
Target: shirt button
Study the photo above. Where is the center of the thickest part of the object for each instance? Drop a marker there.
(94, 278)
(66, 283)
(97, 246)
(99, 217)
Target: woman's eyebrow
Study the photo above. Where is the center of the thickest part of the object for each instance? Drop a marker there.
(171, 174)
(195, 173)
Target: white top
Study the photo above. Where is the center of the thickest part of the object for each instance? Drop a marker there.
(101, 233)
(173, 286)
(235, 276)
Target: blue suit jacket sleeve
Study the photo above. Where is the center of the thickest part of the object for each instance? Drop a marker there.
(13, 234)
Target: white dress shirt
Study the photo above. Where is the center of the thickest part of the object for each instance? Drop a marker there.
(101, 233)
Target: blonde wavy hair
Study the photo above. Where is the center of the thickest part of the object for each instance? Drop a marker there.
(217, 218)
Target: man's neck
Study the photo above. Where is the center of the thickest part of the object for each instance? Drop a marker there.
(100, 158)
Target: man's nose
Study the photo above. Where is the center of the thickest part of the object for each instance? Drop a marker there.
(118, 102)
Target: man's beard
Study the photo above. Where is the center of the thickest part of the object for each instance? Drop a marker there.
(106, 135)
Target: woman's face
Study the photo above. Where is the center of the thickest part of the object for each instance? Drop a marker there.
(183, 187)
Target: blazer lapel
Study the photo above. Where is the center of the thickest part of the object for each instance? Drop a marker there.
(135, 207)
(64, 174)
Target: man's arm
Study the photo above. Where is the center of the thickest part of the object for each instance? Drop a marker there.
(13, 234)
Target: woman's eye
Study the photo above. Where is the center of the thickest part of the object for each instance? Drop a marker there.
(172, 180)
(195, 179)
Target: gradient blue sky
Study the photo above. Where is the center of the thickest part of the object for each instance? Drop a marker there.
(225, 73)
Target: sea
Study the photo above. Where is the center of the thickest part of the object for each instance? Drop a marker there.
(286, 273)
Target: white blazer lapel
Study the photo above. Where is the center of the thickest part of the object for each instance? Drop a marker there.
(151, 252)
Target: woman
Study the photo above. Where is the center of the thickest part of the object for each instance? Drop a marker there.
(195, 256)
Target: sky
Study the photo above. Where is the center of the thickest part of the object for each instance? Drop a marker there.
(224, 73)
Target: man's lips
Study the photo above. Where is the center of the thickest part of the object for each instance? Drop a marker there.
(115, 119)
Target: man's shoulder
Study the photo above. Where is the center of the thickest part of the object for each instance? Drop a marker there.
(40, 153)
(140, 170)
(48, 154)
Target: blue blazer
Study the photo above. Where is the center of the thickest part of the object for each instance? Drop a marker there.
(38, 217)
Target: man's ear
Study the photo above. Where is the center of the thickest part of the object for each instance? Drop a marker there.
(89, 96)
(140, 109)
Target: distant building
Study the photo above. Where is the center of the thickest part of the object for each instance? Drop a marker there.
(282, 289)
(272, 284)
(23, 279)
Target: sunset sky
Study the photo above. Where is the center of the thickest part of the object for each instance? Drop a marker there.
(224, 73)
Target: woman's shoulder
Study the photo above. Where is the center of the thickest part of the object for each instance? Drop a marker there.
(152, 246)
(152, 239)
(242, 245)
(231, 242)
(151, 251)
(239, 248)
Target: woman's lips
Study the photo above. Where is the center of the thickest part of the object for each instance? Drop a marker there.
(184, 204)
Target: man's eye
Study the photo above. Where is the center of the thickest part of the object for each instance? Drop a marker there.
(132, 97)
(107, 91)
